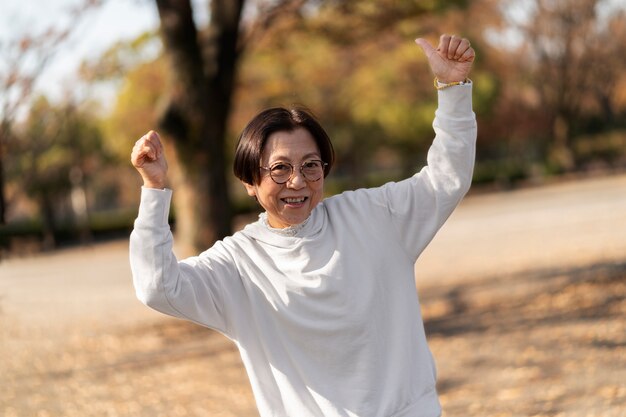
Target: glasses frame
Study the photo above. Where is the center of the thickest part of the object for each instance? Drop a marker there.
(269, 168)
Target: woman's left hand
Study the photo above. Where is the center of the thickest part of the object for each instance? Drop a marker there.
(452, 60)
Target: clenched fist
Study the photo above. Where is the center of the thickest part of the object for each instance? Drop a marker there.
(149, 159)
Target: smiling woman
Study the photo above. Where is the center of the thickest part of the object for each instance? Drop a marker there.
(282, 139)
(318, 294)
(291, 202)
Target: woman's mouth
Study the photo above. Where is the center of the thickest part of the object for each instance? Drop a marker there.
(294, 201)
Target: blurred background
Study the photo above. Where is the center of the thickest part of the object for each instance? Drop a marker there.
(82, 80)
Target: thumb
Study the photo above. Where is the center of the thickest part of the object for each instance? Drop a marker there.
(426, 47)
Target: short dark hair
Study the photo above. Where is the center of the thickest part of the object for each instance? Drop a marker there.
(278, 119)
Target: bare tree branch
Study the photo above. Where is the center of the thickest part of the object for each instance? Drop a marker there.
(268, 13)
(25, 59)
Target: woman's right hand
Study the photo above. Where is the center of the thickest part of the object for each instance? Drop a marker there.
(149, 160)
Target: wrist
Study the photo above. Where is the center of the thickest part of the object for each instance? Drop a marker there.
(159, 185)
(441, 84)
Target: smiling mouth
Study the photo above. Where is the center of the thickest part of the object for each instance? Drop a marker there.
(298, 200)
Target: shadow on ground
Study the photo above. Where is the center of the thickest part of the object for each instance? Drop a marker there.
(527, 300)
(541, 343)
(549, 342)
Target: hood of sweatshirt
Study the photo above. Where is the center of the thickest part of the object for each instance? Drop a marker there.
(311, 229)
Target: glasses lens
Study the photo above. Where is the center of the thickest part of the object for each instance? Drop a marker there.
(281, 172)
(313, 170)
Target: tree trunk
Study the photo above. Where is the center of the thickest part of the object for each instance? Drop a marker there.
(4, 134)
(48, 222)
(197, 116)
(561, 153)
(192, 208)
(3, 204)
(79, 205)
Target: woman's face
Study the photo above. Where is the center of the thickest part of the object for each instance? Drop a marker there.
(290, 203)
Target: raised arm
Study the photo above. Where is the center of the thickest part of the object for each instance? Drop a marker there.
(421, 204)
(196, 288)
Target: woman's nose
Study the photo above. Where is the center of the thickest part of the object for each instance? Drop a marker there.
(297, 180)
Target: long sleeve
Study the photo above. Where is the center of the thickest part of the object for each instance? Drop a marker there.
(414, 209)
(192, 289)
(421, 204)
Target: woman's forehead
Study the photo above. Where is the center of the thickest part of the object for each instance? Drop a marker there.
(290, 145)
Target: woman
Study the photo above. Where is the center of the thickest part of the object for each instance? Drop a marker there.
(319, 295)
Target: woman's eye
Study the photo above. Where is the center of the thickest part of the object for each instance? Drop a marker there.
(280, 168)
(311, 164)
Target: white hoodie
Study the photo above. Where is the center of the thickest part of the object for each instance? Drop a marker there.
(327, 321)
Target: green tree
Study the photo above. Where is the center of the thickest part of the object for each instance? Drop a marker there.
(575, 60)
(56, 151)
(142, 90)
(24, 57)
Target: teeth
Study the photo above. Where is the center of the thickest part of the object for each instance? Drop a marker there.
(294, 200)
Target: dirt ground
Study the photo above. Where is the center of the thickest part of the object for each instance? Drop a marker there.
(523, 293)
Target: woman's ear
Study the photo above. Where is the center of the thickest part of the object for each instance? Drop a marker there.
(251, 189)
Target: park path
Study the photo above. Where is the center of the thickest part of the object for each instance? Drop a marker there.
(559, 225)
(525, 288)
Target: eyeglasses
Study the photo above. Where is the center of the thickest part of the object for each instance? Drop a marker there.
(312, 170)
